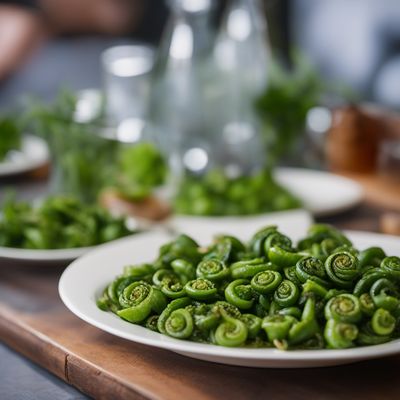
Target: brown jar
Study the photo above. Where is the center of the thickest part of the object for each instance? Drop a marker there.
(353, 140)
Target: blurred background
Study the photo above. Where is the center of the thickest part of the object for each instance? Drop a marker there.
(218, 93)
(48, 43)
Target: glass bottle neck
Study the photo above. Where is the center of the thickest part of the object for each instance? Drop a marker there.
(243, 15)
(189, 33)
(190, 6)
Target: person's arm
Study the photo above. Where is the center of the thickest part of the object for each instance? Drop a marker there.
(24, 23)
(114, 17)
(20, 32)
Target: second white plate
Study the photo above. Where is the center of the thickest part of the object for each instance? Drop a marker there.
(322, 193)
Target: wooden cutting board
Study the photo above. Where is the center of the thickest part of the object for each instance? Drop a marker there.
(34, 322)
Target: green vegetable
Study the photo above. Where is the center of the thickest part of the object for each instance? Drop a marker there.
(266, 281)
(340, 335)
(253, 324)
(240, 294)
(230, 294)
(59, 222)
(283, 257)
(249, 268)
(165, 314)
(284, 105)
(286, 294)
(367, 305)
(253, 194)
(87, 159)
(277, 326)
(342, 268)
(10, 136)
(343, 308)
(138, 300)
(385, 295)
(179, 324)
(201, 289)
(308, 327)
(173, 288)
(212, 269)
(382, 322)
(313, 269)
(231, 332)
(391, 265)
(141, 168)
(371, 257)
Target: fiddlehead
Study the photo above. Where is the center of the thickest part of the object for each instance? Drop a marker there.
(201, 289)
(266, 281)
(231, 332)
(179, 324)
(174, 305)
(311, 268)
(371, 257)
(240, 294)
(340, 335)
(277, 326)
(343, 308)
(286, 294)
(382, 322)
(384, 294)
(248, 268)
(138, 300)
(391, 265)
(213, 270)
(342, 269)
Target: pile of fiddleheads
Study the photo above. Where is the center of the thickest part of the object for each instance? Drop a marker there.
(319, 293)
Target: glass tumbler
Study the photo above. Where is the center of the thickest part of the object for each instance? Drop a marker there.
(126, 80)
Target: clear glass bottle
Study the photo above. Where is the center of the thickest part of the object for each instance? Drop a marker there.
(241, 54)
(181, 92)
(202, 106)
(242, 46)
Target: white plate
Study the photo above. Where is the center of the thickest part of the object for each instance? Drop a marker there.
(83, 281)
(322, 193)
(44, 257)
(50, 257)
(33, 154)
(204, 228)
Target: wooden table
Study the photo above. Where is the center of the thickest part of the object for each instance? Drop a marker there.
(34, 322)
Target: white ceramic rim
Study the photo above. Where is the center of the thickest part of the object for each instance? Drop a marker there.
(16, 254)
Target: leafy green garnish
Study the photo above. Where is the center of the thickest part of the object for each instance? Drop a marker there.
(141, 168)
(59, 222)
(284, 105)
(10, 136)
(83, 160)
(86, 161)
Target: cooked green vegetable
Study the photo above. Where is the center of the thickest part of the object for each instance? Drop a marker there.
(216, 194)
(320, 293)
(58, 223)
